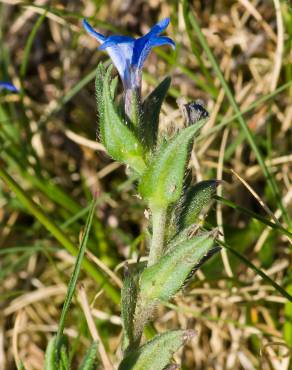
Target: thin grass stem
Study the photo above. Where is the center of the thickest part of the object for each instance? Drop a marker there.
(248, 134)
(40, 215)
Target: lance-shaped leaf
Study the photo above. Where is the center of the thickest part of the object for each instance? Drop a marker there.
(99, 79)
(119, 140)
(162, 280)
(90, 358)
(157, 353)
(20, 366)
(56, 357)
(195, 199)
(128, 305)
(162, 182)
(148, 129)
(64, 358)
(203, 260)
(51, 361)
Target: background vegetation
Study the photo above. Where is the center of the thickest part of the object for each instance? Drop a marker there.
(236, 57)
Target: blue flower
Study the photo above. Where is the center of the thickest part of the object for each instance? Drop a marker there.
(129, 54)
(7, 86)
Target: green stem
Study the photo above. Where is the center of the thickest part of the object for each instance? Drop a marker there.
(158, 228)
(133, 105)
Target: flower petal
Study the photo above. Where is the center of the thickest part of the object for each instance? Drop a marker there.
(159, 27)
(119, 48)
(142, 51)
(161, 40)
(115, 40)
(8, 86)
(98, 36)
(142, 47)
(121, 55)
(128, 55)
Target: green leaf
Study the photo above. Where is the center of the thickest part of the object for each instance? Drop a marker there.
(99, 79)
(28, 48)
(148, 129)
(163, 279)
(20, 366)
(260, 272)
(114, 85)
(252, 214)
(64, 360)
(193, 201)
(75, 274)
(51, 355)
(288, 320)
(157, 353)
(56, 357)
(162, 182)
(128, 305)
(117, 137)
(90, 358)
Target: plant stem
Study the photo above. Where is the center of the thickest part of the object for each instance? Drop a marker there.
(133, 105)
(158, 228)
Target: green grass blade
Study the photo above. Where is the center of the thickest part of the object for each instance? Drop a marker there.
(67, 97)
(265, 277)
(252, 106)
(76, 271)
(258, 217)
(56, 194)
(39, 214)
(242, 122)
(89, 360)
(64, 360)
(24, 249)
(194, 47)
(27, 50)
(20, 366)
(50, 358)
(193, 76)
(287, 328)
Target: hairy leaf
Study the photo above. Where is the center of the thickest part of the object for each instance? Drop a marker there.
(51, 355)
(117, 137)
(90, 357)
(148, 129)
(157, 353)
(162, 280)
(195, 199)
(162, 182)
(64, 360)
(128, 305)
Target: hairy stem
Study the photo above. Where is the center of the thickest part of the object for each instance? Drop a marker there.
(157, 241)
(133, 105)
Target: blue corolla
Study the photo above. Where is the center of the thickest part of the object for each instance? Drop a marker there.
(7, 86)
(129, 54)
